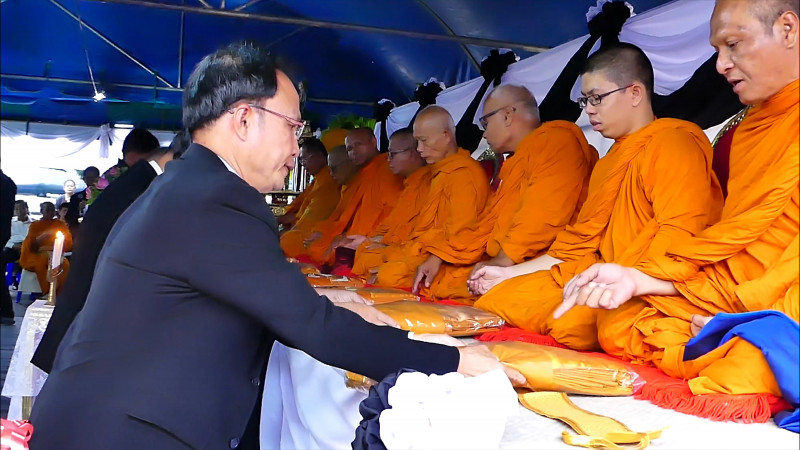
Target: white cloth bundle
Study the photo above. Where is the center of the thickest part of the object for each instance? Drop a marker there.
(447, 411)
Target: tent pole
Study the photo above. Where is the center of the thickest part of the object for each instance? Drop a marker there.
(493, 43)
(110, 42)
(450, 32)
(161, 88)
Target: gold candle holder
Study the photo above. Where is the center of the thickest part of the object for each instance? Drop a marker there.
(51, 295)
(27, 406)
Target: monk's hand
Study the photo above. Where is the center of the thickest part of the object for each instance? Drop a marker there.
(426, 272)
(698, 322)
(370, 314)
(342, 296)
(477, 359)
(485, 278)
(602, 285)
(311, 238)
(354, 241)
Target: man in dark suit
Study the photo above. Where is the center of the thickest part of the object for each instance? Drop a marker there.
(8, 192)
(94, 230)
(192, 288)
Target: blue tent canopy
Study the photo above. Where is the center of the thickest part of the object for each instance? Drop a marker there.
(349, 53)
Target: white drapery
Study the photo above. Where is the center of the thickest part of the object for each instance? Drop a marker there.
(674, 36)
(29, 144)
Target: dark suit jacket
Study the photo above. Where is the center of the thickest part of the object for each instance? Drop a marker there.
(190, 290)
(96, 225)
(8, 192)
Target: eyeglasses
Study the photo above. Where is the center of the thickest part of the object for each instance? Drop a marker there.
(595, 99)
(484, 119)
(298, 125)
(392, 155)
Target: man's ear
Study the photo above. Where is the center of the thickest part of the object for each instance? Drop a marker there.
(240, 121)
(638, 93)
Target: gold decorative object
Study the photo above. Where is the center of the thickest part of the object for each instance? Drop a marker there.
(27, 406)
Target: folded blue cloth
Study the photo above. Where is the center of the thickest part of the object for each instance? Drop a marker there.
(775, 334)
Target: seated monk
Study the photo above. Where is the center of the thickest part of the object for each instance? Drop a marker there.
(404, 160)
(319, 198)
(457, 196)
(37, 248)
(638, 202)
(341, 171)
(748, 261)
(543, 184)
(374, 193)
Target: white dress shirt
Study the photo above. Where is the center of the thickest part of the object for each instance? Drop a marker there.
(18, 232)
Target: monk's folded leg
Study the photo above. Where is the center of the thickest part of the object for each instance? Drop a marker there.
(292, 243)
(577, 329)
(736, 367)
(399, 273)
(367, 259)
(524, 301)
(451, 283)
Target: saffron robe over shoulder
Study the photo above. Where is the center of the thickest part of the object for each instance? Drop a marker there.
(638, 204)
(748, 261)
(542, 187)
(39, 262)
(458, 193)
(397, 226)
(375, 190)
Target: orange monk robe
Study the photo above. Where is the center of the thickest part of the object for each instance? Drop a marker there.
(542, 188)
(748, 261)
(458, 193)
(38, 262)
(375, 190)
(397, 226)
(638, 204)
(315, 204)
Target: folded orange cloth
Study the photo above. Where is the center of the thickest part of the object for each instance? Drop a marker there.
(562, 370)
(325, 280)
(438, 318)
(384, 295)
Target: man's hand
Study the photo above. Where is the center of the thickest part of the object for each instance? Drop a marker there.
(370, 314)
(603, 285)
(342, 296)
(311, 238)
(477, 360)
(375, 245)
(426, 272)
(485, 278)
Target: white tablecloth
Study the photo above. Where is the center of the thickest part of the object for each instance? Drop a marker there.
(23, 379)
(307, 406)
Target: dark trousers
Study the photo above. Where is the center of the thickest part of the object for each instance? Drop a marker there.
(9, 255)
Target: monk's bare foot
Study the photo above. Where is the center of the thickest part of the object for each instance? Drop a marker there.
(698, 322)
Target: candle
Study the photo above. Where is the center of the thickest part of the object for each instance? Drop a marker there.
(58, 250)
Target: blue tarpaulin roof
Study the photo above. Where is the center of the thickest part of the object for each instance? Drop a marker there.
(349, 53)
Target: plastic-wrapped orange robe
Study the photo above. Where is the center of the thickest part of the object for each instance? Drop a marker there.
(654, 186)
(542, 188)
(397, 226)
(315, 204)
(38, 262)
(458, 193)
(748, 261)
(373, 192)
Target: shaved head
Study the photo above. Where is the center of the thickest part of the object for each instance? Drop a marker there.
(438, 116)
(520, 96)
(361, 145)
(435, 133)
(623, 64)
(341, 166)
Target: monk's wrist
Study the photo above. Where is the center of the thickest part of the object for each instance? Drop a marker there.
(647, 285)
